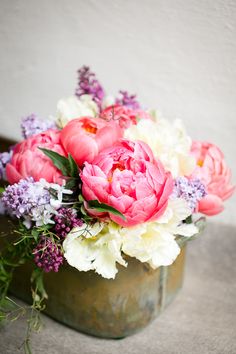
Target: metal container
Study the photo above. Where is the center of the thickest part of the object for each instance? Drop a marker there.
(104, 307)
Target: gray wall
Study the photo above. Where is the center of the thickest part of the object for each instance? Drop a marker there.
(179, 55)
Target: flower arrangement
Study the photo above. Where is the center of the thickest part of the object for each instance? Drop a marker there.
(102, 179)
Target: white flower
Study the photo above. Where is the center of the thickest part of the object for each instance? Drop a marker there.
(42, 215)
(148, 243)
(108, 100)
(168, 141)
(60, 190)
(94, 248)
(177, 211)
(72, 107)
(86, 230)
(155, 242)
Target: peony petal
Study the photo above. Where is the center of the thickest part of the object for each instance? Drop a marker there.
(210, 205)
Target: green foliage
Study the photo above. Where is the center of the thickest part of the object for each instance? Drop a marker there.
(73, 168)
(12, 256)
(10, 311)
(67, 166)
(74, 184)
(38, 295)
(2, 190)
(189, 220)
(102, 207)
(19, 251)
(61, 162)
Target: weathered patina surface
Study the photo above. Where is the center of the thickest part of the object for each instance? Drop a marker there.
(101, 307)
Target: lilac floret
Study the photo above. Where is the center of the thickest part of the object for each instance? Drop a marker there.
(89, 85)
(128, 100)
(23, 196)
(29, 200)
(192, 190)
(65, 220)
(32, 125)
(48, 255)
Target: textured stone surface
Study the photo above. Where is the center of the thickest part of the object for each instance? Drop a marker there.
(202, 319)
(178, 55)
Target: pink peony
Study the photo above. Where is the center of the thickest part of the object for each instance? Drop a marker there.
(28, 161)
(85, 137)
(124, 115)
(128, 178)
(213, 172)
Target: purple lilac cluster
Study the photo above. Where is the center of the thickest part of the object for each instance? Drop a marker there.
(89, 85)
(65, 220)
(5, 157)
(128, 100)
(21, 197)
(32, 125)
(192, 190)
(48, 255)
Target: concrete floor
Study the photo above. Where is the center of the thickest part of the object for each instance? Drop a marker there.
(202, 319)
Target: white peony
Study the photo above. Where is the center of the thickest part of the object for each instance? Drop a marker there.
(168, 141)
(96, 247)
(177, 211)
(148, 243)
(155, 242)
(72, 107)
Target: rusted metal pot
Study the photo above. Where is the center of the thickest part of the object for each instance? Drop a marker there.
(106, 308)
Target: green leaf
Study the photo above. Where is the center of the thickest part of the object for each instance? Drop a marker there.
(74, 172)
(102, 207)
(61, 162)
(71, 183)
(189, 220)
(35, 233)
(2, 190)
(27, 348)
(81, 198)
(37, 278)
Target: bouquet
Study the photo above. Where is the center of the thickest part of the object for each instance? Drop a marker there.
(101, 180)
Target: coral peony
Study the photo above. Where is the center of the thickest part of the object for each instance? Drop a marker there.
(28, 161)
(85, 137)
(213, 172)
(123, 115)
(128, 178)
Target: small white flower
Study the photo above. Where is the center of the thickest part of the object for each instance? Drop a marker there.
(27, 222)
(60, 190)
(95, 247)
(42, 215)
(72, 107)
(56, 204)
(168, 141)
